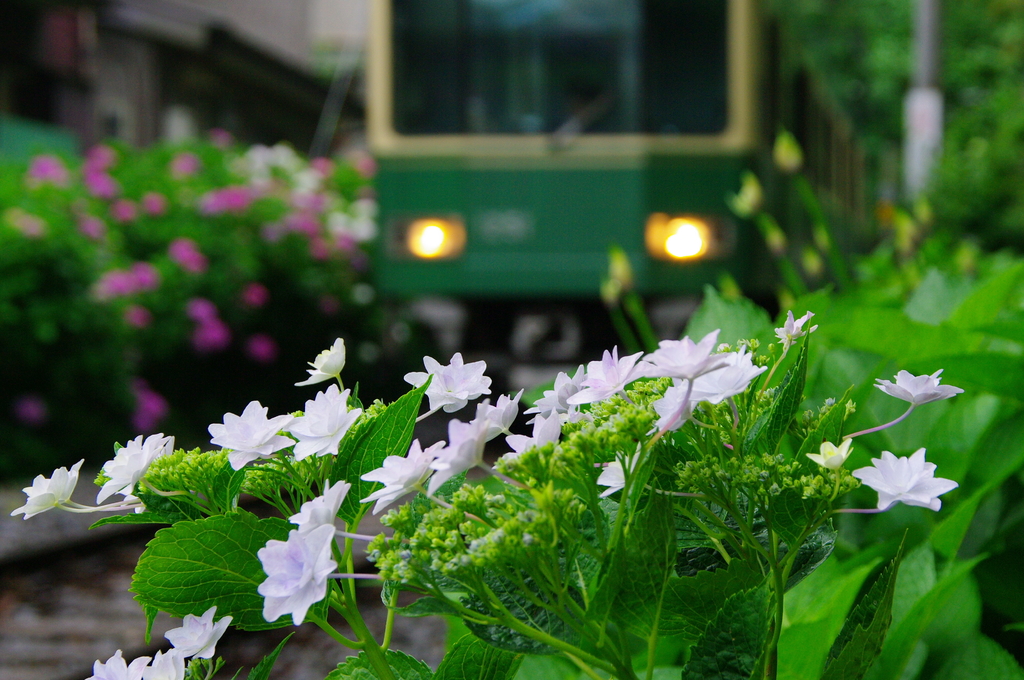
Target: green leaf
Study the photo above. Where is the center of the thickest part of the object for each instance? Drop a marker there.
(133, 518)
(1011, 328)
(738, 319)
(900, 644)
(767, 432)
(829, 428)
(936, 297)
(812, 553)
(791, 514)
(949, 533)
(691, 603)
(428, 606)
(860, 640)
(980, 657)
(731, 646)
(474, 659)
(402, 665)
(1000, 374)
(261, 671)
(886, 332)
(194, 565)
(983, 305)
(372, 440)
(174, 509)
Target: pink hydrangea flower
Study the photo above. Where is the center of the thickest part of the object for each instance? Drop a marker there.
(47, 169)
(324, 166)
(329, 305)
(137, 316)
(211, 336)
(319, 249)
(124, 210)
(230, 199)
(100, 158)
(185, 164)
(93, 227)
(255, 295)
(30, 226)
(303, 223)
(261, 348)
(31, 410)
(150, 407)
(186, 254)
(200, 309)
(115, 283)
(314, 203)
(147, 277)
(221, 138)
(154, 204)
(101, 185)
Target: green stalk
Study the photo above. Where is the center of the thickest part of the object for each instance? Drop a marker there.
(629, 342)
(634, 306)
(766, 223)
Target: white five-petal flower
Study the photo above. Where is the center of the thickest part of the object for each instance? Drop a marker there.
(731, 379)
(793, 329)
(45, 494)
(684, 359)
(609, 376)
(905, 480)
(323, 424)
(500, 416)
(831, 456)
(328, 364)
(251, 435)
(166, 666)
(198, 635)
(401, 475)
(131, 462)
(454, 385)
(465, 450)
(918, 389)
(321, 510)
(297, 571)
(556, 400)
(115, 668)
(545, 431)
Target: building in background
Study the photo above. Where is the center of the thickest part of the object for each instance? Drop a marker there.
(145, 70)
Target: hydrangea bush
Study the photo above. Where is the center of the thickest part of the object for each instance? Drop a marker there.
(129, 272)
(651, 523)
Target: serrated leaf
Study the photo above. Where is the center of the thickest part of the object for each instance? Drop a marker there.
(194, 565)
(647, 557)
(860, 639)
(428, 606)
(791, 514)
(261, 671)
(767, 431)
(474, 659)
(813, 553)
(980, 657)
(903, 638)
(690, 603)
(389, 433)
(226, 486)
(172, 508)
(402, 665)
(731, 646)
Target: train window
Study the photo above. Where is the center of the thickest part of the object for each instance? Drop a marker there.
(559, 66)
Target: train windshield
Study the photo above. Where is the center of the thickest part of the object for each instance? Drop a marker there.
(559, 66)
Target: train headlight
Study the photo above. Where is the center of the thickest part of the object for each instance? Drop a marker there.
(435, 238)
(679, 238)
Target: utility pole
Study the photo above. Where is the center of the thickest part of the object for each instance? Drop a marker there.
(922, 108)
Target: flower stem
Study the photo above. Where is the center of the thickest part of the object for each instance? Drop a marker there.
(882, 427)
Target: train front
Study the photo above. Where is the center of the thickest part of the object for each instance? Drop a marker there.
(518, 139)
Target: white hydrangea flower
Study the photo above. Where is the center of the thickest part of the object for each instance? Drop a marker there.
(45, 494)
(297, 571)
(115, 668)
(545, 431)
(321, 510)
(918, 389)
(327, 365)
(673, 409)
(465, 450)
(166, 666)
(905, 480)
(733, 378)
(131, 462)
(198, 635)
(500, 416)
(614, 476)
(401, 475)
(251, 435)
(831, 456)
(609, 376)
(557, 400)
(793, 329)
(684, 359)
(454, 385)
(324, 423)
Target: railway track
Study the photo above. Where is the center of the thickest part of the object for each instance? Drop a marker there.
(64, 602)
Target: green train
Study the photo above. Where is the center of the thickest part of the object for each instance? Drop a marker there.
(518, 139)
